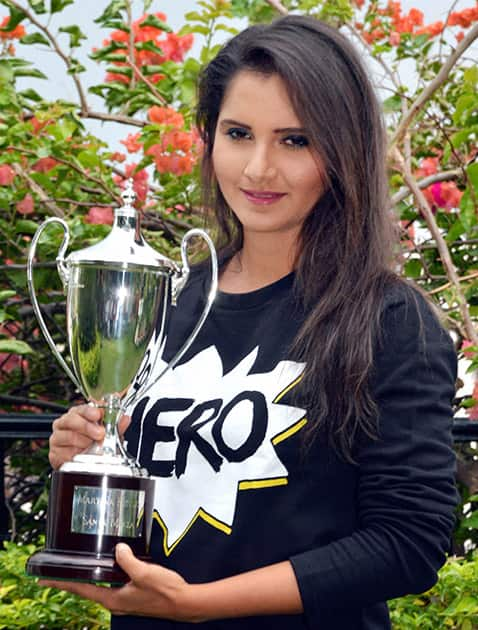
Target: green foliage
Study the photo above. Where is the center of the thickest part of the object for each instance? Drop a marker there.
(25, 604)
(452, 603)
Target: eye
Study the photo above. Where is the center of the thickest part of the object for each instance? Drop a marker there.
(296, 141)
(238, 133)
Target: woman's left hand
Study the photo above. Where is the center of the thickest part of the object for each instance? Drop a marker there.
(153, 590)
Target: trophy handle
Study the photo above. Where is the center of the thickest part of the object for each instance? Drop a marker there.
(64, 274)
(178, 285)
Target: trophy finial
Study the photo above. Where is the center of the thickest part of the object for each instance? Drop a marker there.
(128, 195)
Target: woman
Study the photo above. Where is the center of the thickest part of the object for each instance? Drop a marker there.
(301, 450)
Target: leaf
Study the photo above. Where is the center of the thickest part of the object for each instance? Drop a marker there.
(112, 12)
(29, 72)
(31, 95)
(472, 172)
(471, 75)
(16, 16)
(75, 33)
(4, 295)
(34, 38)
(150, 46)
(15, 346)
(152, 20)
(471, 521)
(58, 5)
(25, 226)
(392, 104)
(456, 230)
(413, 268)
(38, 6)
(467, 211)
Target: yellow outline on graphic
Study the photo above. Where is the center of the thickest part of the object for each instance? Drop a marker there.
(242, 485)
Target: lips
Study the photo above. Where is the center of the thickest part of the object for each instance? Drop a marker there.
(262, 197)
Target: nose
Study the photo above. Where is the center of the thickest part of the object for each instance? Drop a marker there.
(259, 165)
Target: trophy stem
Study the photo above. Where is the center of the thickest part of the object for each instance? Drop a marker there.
(110, 418)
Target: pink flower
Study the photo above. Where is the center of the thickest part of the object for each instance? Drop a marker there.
(26, 205)
(100, 216)
(446, 195)
(7, 175)
(473, 411)
(467, 353)
(43, 165)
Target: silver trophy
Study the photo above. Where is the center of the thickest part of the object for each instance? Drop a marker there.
(119, 293)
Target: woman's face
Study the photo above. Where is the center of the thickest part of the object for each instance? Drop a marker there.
(265, 168)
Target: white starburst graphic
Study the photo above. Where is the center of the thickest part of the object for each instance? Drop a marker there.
(223, 442)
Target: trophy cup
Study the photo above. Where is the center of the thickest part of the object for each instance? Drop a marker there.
(119, 293)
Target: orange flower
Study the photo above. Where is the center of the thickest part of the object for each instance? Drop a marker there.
(165, 116)
(131, 143)
(16, 33)
(459, 36)
(416, 17)
(432, 29)
(176, 141)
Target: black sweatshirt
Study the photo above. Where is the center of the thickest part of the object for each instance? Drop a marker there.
(222, 435)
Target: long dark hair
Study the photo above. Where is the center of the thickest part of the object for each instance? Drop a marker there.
(346, 242)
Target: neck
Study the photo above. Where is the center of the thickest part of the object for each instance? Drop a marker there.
(263, 259)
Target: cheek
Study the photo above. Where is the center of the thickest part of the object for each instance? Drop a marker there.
(306, 180)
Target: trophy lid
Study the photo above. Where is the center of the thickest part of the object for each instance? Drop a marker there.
(124, 246)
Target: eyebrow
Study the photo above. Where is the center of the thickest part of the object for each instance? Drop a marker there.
(230, 121)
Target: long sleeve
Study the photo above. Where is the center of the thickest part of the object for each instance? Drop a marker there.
(406, 492)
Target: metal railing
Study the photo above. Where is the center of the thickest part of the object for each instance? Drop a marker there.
(37, 426)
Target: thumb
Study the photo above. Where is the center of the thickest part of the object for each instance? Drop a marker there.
(136, 569)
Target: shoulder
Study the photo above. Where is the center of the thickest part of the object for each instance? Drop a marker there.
(406, 312)
(412, 339)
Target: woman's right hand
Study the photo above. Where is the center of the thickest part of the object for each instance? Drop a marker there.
(75, 431)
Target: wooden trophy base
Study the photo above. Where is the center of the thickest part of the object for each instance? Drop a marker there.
(88, 515)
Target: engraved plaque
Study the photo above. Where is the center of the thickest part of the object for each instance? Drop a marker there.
(107, 511)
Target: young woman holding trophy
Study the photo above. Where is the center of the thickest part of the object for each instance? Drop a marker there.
(301, 448)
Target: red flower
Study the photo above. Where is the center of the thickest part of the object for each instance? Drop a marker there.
(459, 36)
(99, 216)
(7, 175)
(26, 205)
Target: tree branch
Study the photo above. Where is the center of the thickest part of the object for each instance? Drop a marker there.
(58, 50)
(433, 86)
(38, 190)
(441, 245)
(119, 118)
(470, 276)
(276, 4)
(444, 176)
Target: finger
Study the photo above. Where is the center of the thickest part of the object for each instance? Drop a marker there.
(79, 423)
(100, 594)
(138, 571)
